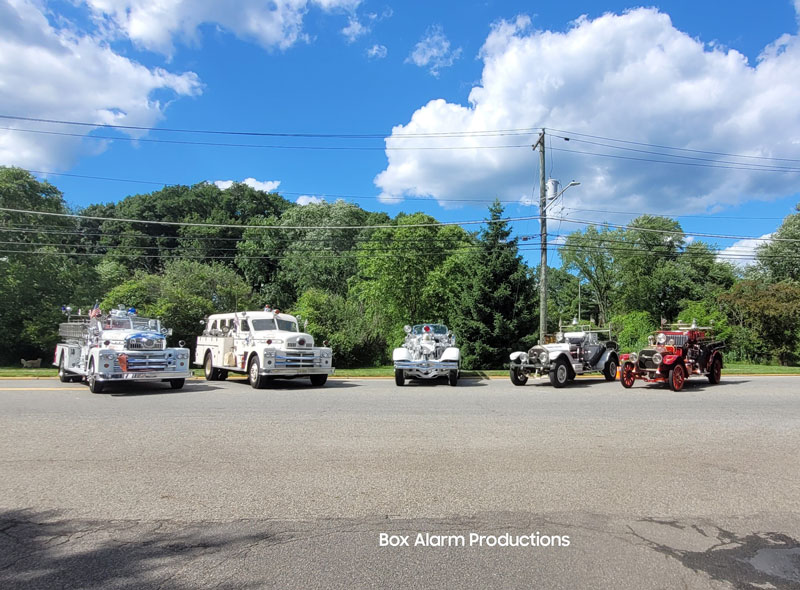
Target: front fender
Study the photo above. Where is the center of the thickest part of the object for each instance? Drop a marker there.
(516, 356)
(608, 354)
(670, 359)
(451, 354)
(401, 354)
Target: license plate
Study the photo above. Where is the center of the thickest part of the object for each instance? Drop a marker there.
(140, 375)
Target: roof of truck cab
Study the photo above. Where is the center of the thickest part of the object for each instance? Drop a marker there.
(252, 315)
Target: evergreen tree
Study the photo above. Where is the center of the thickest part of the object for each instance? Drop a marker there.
(497, 300)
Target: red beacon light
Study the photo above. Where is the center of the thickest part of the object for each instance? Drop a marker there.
(427, 328)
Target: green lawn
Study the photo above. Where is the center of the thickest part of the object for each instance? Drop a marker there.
(730, 369)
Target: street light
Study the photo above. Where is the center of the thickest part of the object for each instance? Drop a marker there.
(561, 192)
(543, 205)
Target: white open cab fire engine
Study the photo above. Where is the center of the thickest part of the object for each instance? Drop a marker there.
(264, 345)
(118, 347)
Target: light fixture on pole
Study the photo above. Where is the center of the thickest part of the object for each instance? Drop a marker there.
(543, 204)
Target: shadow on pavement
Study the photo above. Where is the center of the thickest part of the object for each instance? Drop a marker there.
(747, 562)
(39, 551)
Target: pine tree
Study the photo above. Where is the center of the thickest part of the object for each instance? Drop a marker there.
(497, 308)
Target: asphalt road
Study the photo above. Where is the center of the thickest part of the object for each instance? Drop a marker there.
(220, 485)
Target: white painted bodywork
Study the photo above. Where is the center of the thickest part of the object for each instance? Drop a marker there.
(234, 340)
(427, 355)
(103, 349)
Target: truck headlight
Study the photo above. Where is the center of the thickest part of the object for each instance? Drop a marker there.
(269, 352)
(108, 356)
(633, 357)
(657, 358)
(544, 357)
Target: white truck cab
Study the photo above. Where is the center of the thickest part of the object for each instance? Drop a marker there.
(264, 345)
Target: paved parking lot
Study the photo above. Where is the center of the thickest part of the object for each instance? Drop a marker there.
(222, 485)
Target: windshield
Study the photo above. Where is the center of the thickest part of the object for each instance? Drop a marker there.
(263, 325)
(436, 328)
(287, 325)
(145, 324)
(117, 324)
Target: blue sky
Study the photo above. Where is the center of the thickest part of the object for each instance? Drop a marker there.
(714, 79)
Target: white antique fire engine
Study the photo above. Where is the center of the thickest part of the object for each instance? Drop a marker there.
(264, 345)
(428, 352)
(121, 347)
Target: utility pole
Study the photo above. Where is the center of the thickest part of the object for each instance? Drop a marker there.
(543, 220)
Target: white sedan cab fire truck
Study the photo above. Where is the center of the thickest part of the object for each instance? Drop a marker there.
(264, 345)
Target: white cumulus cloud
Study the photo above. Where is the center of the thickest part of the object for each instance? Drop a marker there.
(261, 185)
(57, 73)
(433, 51)
(377, 52)
(630, 76)
(743, 252)
(309, 200)
(354, 29)
(155, 24)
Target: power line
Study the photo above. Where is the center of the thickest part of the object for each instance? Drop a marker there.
(479, 133)
(666, 147)
(271, 227)
(265, 146)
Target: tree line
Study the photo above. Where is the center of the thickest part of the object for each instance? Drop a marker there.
(359, 276)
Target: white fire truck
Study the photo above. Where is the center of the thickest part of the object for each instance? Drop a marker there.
(264, 345)
(118, 347)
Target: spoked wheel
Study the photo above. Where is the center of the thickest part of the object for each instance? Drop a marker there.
(95, 385)
(399, 377)
(559, 375)
(677, 377)
(627, 375)
(452, 377)
(715, 374)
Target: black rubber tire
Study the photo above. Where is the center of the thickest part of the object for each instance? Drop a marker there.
(318, 380)
(627, 375)
(256, 380)
(517, 376)
(209, 371)
(676, 378)
(95, 386)
(399, 377)
(715, 374)
(610, 370)
(63, 375)
(452, 377)
(559, 374)
(177, 383)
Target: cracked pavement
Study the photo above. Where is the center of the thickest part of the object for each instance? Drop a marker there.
(222, 486)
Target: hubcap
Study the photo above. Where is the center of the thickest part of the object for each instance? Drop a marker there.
(561, 374)
(253, 371)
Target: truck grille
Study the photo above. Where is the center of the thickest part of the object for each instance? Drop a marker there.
(156, 361)
(295, 359)
(146, 344)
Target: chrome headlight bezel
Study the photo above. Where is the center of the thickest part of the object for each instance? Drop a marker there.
(661, 338)
(544, 357)
(633, 357)
(657, 358)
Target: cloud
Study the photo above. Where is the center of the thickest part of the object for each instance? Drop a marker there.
(632, 76)
(57, 73)
(155, 24)
(743, 252)
(308, 200)
(354, 29)
(433, 51)
(377, 52)
(267, 186)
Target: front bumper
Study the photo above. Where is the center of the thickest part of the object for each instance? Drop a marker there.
(144, 375)
(292, 371)
(427, 369)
